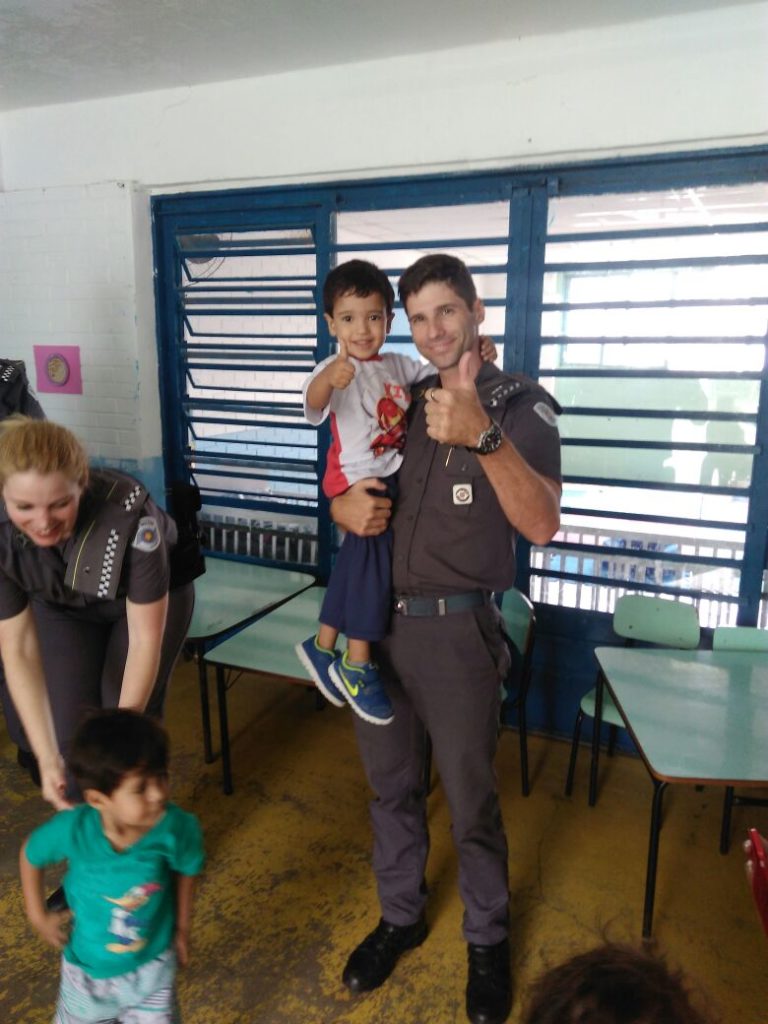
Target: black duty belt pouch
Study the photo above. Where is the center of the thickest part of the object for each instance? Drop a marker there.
(186, 558)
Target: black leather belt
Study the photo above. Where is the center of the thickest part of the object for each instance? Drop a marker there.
(440, 605)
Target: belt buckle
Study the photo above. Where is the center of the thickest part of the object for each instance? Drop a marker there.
(442, 608)
(401, 606)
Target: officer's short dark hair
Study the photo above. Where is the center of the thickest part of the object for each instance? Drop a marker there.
(613, 984)
(438, 268)
(358, 277)
(111, 743)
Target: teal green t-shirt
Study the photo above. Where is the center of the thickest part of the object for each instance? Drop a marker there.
(123, 902)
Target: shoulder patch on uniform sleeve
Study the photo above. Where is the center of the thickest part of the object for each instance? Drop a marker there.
(546, 412)
(148, 535)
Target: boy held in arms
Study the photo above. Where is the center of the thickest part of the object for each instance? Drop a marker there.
(132, 858)
(367, 396)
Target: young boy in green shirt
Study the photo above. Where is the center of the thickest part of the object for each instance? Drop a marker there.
(132, 858)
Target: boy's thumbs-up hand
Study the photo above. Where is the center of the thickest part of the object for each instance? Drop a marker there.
(454, 414)
(341, 372)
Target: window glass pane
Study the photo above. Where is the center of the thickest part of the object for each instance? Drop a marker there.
(649, 429)
(682, 393)
(478, 233)
(248, 332)
(762, 618)
(745, 281)
(682, 322)
(421, 223)
(678, 355)
(683, 274)
(647, 501)
(705, 206)
(658, 465)
(709, 541)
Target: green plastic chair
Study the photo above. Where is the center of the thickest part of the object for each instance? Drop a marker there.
(520, 623)
(652, 620)
(737, 638)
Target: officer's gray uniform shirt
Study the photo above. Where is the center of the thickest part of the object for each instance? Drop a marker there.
(29, 572)
(450, 532)
(77, 595)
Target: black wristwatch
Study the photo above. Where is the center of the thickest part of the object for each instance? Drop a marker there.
(489, 441)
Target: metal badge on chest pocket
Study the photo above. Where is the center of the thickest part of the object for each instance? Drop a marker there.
(464, 473)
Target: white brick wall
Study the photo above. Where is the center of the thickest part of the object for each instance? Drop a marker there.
(69, 275)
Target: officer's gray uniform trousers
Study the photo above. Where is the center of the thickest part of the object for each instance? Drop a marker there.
(442, 674)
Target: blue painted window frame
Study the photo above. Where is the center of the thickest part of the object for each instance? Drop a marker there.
(528, 191)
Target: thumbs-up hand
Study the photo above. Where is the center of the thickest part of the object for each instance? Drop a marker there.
(454, 414)
(341, 372)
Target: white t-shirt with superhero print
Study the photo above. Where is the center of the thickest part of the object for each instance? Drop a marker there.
(368, 421)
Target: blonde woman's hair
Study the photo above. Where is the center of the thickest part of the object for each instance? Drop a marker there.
(42, 447)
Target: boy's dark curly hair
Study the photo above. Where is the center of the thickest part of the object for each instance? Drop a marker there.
(613, 984)
(111, 743)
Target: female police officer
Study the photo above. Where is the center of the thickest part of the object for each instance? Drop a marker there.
(89, 615)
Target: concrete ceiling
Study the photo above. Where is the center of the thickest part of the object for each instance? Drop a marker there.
(59, 51)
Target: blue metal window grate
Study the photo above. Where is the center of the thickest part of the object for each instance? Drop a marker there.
(635, 290)
(653, 338)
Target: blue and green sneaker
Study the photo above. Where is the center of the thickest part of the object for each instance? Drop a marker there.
(363, 690)
(317, 661)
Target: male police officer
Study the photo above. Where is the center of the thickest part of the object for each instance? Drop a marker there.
(482, 465)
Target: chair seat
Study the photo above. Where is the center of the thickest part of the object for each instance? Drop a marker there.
(610, 714)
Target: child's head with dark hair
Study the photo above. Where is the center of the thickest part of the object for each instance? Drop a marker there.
(439, 268)
(612, 984)
(116, 742)
(357, 277)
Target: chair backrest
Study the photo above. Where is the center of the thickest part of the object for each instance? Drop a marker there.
(739, 638)
(657, 621)
(519, 623)
(519, 619)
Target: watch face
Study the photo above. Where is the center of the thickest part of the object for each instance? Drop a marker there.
(490, 441)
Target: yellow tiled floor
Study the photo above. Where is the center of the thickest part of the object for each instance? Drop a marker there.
(288, 890)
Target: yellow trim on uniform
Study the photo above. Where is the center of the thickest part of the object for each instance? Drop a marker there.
(80, 551)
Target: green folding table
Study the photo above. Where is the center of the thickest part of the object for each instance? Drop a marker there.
(229, 595)
(697, 717)
(266, 646)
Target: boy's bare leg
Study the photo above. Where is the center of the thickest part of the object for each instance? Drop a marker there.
(358, 651)
(327, 637)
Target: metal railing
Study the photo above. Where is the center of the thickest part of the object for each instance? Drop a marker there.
(592, 580)
(295, 544)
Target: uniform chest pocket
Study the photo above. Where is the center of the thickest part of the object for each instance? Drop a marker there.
(464, 487)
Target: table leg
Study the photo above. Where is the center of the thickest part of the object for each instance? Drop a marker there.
(221, 696)
(725, 828)
(596, 726)
(653, 856)
(205, 709)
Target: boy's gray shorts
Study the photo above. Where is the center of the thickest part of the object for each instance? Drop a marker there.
(144, 996)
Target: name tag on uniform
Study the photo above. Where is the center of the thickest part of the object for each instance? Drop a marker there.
(462, 494)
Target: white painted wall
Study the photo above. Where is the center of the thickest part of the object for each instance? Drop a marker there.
(675, 83)
(74, 271)
(75, 257)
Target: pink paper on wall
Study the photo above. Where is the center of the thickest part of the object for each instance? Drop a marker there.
(58, 369)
